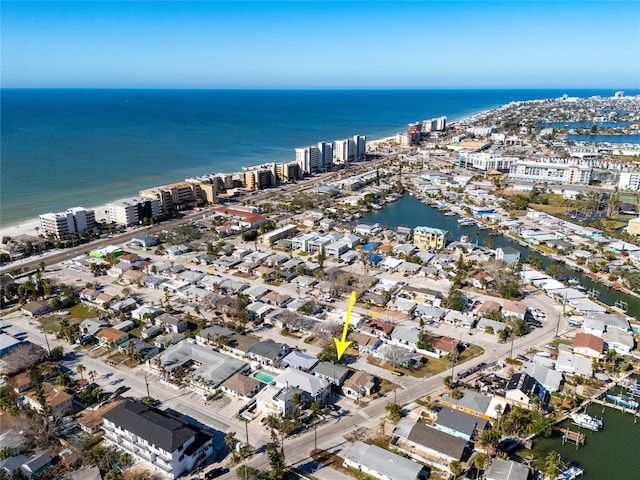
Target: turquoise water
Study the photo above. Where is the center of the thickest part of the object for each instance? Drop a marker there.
(631, 138)
(66, 147)
(263, 377)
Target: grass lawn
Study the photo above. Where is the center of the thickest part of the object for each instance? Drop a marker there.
(551, 209)
(77, 314)
(433, 365)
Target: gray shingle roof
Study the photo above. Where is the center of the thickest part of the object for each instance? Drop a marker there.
(386, 463)
(151, 424)
(460, 421)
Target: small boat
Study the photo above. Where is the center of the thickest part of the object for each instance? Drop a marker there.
(482, 226)
(623, 401)
(449, 214)
(570, 473)
(586, 421)
(375, 206)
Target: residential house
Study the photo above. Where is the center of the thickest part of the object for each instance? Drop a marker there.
(299, 360)
(573, 364)
(333, 373)
(7, 344)
(588, 345)
(268, 352)
(424, 442)
(550, 379)
(112, 337)
(523, 389)
(506, 470)
(213, 335)
(430, 238)
(621, 342)
(460, 319)
(360, 384)
(406, 334)
(171, 323)
(514, 309)
(165, 341)
(241, 386)
(443, 346)
(378, 327)
(508, 254)
(460, 424)
(474, 404)
(138, 349)
(59, 401)
(27, 467)
(157, 438)
(383, 464)
(364, 343)
(315, 389)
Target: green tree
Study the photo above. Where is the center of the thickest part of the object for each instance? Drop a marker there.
(275, 454)
(230, 440)
(552, 464)
(394, 411)
(81, 369)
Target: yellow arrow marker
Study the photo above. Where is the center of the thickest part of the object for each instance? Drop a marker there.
(342, 344)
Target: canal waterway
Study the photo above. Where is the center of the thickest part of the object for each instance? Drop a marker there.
(610, 453)
(411, 212)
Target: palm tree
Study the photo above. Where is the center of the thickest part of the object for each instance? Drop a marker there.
(528, 462)
(553, 463)
(479, 461)
(80, 369)
(92, 375)
(230, 440)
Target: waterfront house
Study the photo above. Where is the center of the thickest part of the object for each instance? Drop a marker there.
(523, 388)
(155, 437)
(460, 424)
(573, 364)
(508, 254)
(621, 342)
(475, 404)
(506, 470)
(425, 442)
(551, 380)
(381, 463)
(430, 238)
(588, 345)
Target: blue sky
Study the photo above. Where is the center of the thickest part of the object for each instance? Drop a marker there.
(443, 44)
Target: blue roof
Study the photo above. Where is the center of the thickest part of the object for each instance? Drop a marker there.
(370, 246)
(375, 258)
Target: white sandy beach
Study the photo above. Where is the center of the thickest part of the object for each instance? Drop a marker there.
(28, 227)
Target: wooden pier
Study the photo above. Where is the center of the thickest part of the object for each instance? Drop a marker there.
(571, 436)
(614, 405)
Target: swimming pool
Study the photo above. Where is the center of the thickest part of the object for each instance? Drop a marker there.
(263, 377)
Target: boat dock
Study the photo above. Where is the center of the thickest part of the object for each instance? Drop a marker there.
(571, 436)
(615, 406)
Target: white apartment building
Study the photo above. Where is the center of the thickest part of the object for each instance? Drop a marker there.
(344, 151)
(133, 211)
(551, 172)
(156, 438)
(361, 147)
(326, 156)
(308, 159)
(61, 225)
(629, 181)
(437, 124)
(485, 161)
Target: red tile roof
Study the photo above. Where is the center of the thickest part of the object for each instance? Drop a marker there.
(586, 340)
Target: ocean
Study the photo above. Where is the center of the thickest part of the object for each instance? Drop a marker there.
(62, 148)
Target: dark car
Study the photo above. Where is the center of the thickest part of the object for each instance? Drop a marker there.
(121, 390)
(216, 472)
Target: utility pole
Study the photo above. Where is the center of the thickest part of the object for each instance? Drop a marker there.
(315, 437)
(512, 338)
(46, 339)
(558, 324)
(147, 384)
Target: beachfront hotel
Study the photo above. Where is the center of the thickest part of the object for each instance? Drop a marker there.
(176, 196)
(309, 159)
(133, 210)
(62, 225)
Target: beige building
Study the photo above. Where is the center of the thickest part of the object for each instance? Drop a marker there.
(175, 196)
(634, 226)
(428, 237)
